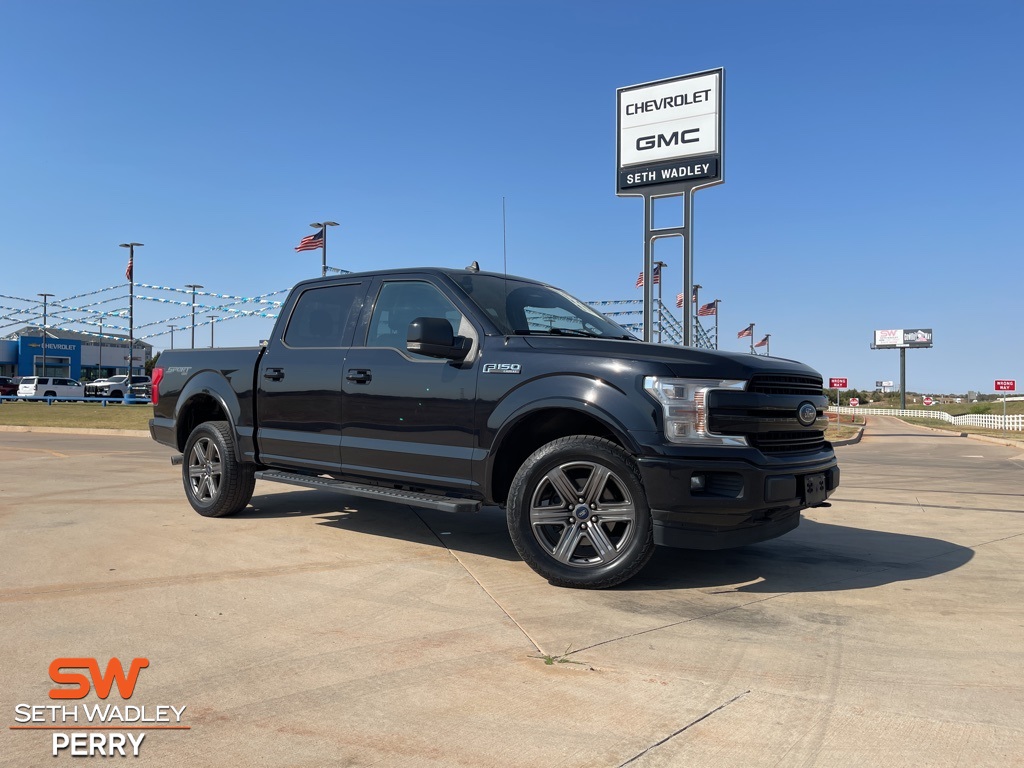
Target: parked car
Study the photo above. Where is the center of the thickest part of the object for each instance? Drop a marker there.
(92, 387)
(8, 386)
(115, 386)
(142, 390)
(46, 386)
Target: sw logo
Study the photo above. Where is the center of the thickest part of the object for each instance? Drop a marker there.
(101, 682)
(81, 729)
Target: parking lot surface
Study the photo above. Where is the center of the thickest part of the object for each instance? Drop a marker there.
(317, 630)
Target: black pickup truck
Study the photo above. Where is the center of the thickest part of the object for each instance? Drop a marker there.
(450, 389)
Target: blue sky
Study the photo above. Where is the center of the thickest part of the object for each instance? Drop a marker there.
(872, 151)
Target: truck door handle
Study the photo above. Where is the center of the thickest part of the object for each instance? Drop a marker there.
(359, 375)
(274, 374)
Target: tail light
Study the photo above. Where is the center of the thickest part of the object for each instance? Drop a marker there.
(158, 375)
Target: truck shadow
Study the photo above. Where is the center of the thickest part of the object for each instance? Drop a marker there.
(816, 557)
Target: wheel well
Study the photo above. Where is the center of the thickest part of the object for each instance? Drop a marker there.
(531, 433)
(199, 409)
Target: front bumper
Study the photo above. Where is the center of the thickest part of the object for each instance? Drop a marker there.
(739, 502)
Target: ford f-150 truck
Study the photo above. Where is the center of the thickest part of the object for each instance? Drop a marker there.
(451, 389)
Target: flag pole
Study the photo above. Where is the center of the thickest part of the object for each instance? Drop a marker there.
(752, 339)
(658, 266)
(696, 310)
(716, 322)
(130, 274)
(322, 226)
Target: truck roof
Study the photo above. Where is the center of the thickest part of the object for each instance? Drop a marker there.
(449, 272)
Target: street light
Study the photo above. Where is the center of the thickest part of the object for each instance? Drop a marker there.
(212, 318)
(172, 335)
(45, 297)
(323, 225)
(130, 274)
(193, 286)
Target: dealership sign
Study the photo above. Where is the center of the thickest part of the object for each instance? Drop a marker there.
(670, 133)
(913, 338)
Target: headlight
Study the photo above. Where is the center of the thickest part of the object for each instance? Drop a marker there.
(684, 406)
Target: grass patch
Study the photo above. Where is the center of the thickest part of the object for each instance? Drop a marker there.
(841, 432)
(75, 415)
(561, 659)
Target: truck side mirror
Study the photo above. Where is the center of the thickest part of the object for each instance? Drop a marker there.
(433, 336)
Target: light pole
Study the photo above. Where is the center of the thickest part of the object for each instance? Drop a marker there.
(194, 287)
(172, 335)
(45, 297)
(130, 274)
(323, 256)
(99, 366)
(212, 318)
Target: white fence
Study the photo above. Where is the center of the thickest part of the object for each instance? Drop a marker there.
(986, 420)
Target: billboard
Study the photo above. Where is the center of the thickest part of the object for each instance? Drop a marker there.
(913, 338)
(670, 133)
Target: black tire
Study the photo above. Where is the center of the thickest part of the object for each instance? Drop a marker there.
(216, 483)
(116, 393)
(566, 492)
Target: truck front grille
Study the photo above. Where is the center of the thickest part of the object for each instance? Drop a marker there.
(772, 384)
(788, 442)
(766, 413)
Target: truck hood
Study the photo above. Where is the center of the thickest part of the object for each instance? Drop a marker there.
(685, 362)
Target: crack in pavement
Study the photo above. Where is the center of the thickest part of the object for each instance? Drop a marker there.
(671, 736)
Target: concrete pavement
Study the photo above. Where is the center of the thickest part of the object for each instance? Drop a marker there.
(308, 631)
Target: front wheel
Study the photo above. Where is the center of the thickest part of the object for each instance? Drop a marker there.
(216, 482)
(578, 514)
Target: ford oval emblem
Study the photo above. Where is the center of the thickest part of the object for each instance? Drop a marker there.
(806, 414)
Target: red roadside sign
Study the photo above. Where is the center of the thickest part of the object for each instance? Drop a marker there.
(854, 401)
(928, 401)
(837, 383)
(1006, 385)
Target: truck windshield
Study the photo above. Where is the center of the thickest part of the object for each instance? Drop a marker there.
(521, 308)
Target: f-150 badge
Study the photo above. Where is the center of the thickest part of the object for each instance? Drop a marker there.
(503, 368)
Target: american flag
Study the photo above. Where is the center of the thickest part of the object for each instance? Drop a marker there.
(130, 270)
(694, 299)
(748, 331)
(679, 299)
(763, 342)
(311, 242)
(655, 281)
(711, 308)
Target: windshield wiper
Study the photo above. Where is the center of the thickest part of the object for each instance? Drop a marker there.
(573, 332)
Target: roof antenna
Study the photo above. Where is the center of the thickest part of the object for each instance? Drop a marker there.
(474, 267)
(504, 261)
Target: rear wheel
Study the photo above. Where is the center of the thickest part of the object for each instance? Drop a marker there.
(216, 482)
(578, 514)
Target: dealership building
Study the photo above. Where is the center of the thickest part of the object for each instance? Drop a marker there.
(68, 354)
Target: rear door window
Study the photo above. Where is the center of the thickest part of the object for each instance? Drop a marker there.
(321, 316)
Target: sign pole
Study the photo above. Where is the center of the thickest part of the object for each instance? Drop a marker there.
(670, 137)
(648, 269)
(903, 378)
